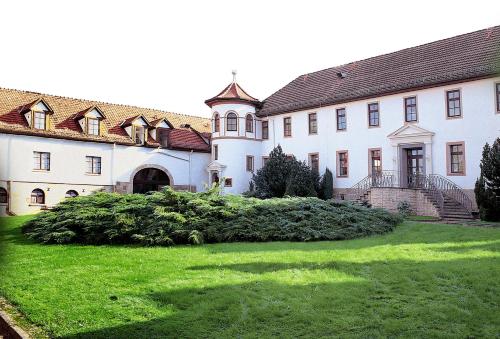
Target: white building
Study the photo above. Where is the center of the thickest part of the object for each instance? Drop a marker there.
(408, 125)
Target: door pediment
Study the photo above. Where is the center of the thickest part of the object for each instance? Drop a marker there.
(410, 134)
(215, 166)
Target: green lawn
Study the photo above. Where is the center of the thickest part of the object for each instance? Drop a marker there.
(423, 280)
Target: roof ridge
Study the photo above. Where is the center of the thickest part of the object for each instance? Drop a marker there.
(102, 102)
(399, 50)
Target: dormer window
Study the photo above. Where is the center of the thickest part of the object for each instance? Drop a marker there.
(137, 127)
(139, 135)
(39, 120)
(36, 114)
(90, 120)
(92, 126)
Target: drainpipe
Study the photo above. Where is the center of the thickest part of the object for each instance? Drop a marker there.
(189, 180)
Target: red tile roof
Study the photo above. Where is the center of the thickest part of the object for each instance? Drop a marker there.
(461, 58)
(65, 126)
(233, 92)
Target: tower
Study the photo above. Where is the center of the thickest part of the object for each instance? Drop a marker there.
(236, 138)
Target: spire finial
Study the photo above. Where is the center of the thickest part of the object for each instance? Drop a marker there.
(234, 75)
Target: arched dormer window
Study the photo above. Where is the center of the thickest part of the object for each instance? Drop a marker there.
(249, 123)
(37, 196)
(231, 122)
(71, 194)
(216, 122)
(4, 197)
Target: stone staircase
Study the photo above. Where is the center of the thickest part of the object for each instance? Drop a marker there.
(453, 211)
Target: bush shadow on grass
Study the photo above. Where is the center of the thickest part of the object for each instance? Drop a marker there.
(381, 298)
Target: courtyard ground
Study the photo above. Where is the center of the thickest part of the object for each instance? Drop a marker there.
(423, 280)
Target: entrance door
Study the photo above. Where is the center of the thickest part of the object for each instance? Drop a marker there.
(415, 166)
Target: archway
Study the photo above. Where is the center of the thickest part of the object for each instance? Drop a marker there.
(150, 179)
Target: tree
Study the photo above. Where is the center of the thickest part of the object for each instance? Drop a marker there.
(326, 185)
(487, 188)
(283, 175)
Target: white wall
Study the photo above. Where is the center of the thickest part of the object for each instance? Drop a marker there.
(480, 124)
(68, 167)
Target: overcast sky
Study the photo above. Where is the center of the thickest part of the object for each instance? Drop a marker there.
(173, 55)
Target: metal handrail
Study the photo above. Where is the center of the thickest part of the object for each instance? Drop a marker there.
(453, 191)
(436, 185)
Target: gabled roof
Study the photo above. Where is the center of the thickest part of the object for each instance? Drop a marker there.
(65, 126)
(461, 58)
(232, 92)
(81, 114)
(156, 122)
(29, 106)
(129, 121)
(185, 139)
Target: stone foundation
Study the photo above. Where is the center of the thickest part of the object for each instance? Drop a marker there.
(389, 198)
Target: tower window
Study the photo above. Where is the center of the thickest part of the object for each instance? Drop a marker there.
(265, 129)
(249, 123)
(231, 122)
(216, 122)
(216, 152)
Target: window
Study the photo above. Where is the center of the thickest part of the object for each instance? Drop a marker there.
(216, 152)
(228, 182)
(41, 161)
(453, 105)
(265, 129)
(410, 109)
(71, 194)
(342, 164)
(313, 123)
(287, 127)
(216, 122)
(139, 135)
(92, 126)
(264, 161)
(375, 158)
(314, 162)
(231, 122)
(456, 158)
(249, 163)
(93, 165)
(373, 115)
(249, 123)
(39, 120)
(497, 91)
(37, 196)
(3, 196)
(341, 119)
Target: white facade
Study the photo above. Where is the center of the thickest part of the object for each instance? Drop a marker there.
(479, 123)
(68, 168)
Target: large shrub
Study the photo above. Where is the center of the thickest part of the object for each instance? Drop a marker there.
(284, 175)
(487, 188)
(326, 185)
(169, 217)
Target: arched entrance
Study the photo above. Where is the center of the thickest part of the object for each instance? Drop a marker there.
(150, 179)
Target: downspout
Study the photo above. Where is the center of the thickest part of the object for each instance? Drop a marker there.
(189, 180)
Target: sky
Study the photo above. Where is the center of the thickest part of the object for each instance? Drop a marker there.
(172, 55)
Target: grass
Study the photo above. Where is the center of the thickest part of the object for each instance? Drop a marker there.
(423, 280)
